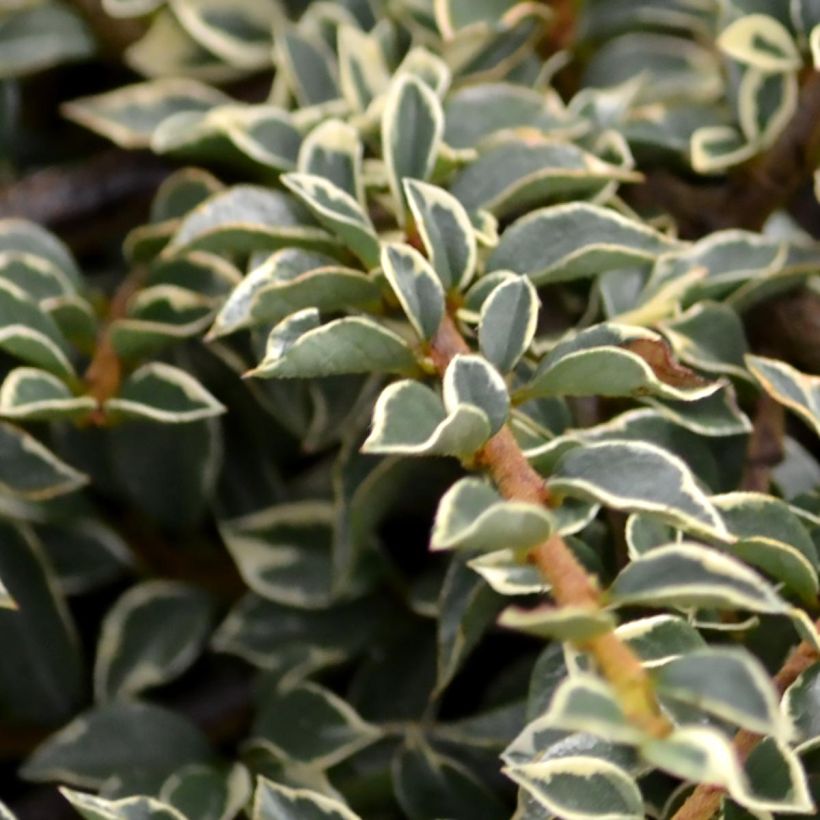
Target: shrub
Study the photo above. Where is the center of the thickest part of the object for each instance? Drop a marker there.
(443, 446)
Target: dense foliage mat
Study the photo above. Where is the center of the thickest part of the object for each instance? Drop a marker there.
(440, 440)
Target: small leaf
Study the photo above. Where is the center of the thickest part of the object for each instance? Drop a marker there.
(509, 317)
(412, 125)
(581, 788)
(798, 391)
(446, 230)
(801, 705)
(471, 380)
(128, 808)
(363, 70)
(32, 395)
(575, 240)
(616, 360)
(410, 419)
(310, 725)
(691, 575)
(762, 42)
(121, 736)
(284, 553)
(584, 703)
(208, 792)
(777, 779)
(417, 287)
(299, 347)
(37, 37)
(160, 392)
(31, 471)
(339, 212)
(152, 634)
(508, 574)
(129, 115)
(649, 479)
(275, 801)
(714, 148)
(240, 34)
(309, 65)
(659, 638)
(471, 515)
(430, 784)
(567, 623)
(467, 606)
(333, 150)
(246, 218)
(729, 683)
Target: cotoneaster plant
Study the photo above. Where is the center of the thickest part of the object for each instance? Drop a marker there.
(437, 453)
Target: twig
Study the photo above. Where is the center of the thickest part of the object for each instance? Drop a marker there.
(571, 585)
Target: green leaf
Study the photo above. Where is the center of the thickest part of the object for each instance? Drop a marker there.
(275, 801)
(416, 286)
(520, 174)
(710, 337)
(29, 333)
(649, 479)
(471, 380)
(21, 237)
(573, 241)
(660, 638)
(509, 317)
(691, 575)
(300, 347)
(467, 606)
(412, 126)
(84, 553)
(446, 231)
(339, 212)
(705, 755)
(584, 703)
(777, 778)
(801, 705)
(162, 393)
(580, 788)
(729, 683)
(246, 218)
(288, 281)
(410, 419)
(616, 360)
(150, 636)
(128, 808)
(31, 471)
(715, 415)
(208, 792)
(567, 623)
(508, 573)
(118, 737)
(430, 784)
(40, 36)
(771, 538)
(241, 34)
(800, 392)
(309, 724)
(129, 115)
(474, 113)
(762, 42)
(363, 71)
(715, 148)
(40, 278)
(471, 515)
(41, 667)
(284, 553)
(309, 66)
(333, 150)
(30, 394)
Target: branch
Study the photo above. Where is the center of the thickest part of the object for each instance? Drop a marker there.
(705, 800)
(571, 585)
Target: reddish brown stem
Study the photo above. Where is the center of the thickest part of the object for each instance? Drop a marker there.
(570, 583)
